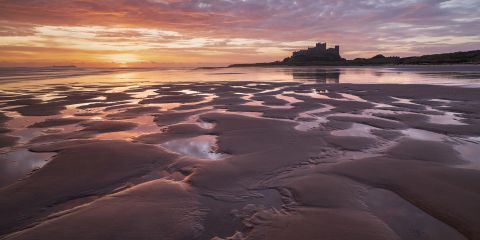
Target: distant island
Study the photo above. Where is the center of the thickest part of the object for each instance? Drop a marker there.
(320, 55)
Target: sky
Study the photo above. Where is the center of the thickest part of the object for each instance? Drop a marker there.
(152, 33)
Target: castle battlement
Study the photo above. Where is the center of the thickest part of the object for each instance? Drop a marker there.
(318, 53)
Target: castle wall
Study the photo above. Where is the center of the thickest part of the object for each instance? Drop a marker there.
(319, 52)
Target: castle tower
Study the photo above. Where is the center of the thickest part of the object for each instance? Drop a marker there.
(322, 46)
(317, 53)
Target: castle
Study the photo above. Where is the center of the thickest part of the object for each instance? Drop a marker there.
(317, 53)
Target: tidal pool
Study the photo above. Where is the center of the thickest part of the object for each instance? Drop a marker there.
(201, 147)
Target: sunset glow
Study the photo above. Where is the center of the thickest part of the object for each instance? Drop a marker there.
(205, 32)
(122, 59)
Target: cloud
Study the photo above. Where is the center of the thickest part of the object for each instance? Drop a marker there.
(252, 28)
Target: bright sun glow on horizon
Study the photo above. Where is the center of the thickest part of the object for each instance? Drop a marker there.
(122, 59)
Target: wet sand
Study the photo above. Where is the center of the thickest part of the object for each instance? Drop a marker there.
(240, 160)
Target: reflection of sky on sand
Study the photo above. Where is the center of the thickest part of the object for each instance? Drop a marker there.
(139, 84)
(289, 99)
(144, 94)
(450, 118)
(145, 123)
(18, 125)
(19, 163)
(439, 117)
(356, 130)
(316, 94)
(195, 119)
(252, 102)
(403, 101)
(202, 147)
(399, 214)
(312, 119)
(309, 116)
(352, 97)
(469, 149)
(420, 134)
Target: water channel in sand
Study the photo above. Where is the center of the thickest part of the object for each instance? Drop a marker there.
(128, 89)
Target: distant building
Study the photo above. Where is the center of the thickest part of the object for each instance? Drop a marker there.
(318, 53)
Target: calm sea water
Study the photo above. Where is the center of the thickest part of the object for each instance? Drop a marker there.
(463, 75)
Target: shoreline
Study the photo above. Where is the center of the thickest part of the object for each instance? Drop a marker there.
(340, 65)
(91, 72)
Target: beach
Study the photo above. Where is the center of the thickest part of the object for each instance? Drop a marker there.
(260, 153)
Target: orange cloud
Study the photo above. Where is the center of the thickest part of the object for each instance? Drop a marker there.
(192, 32)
